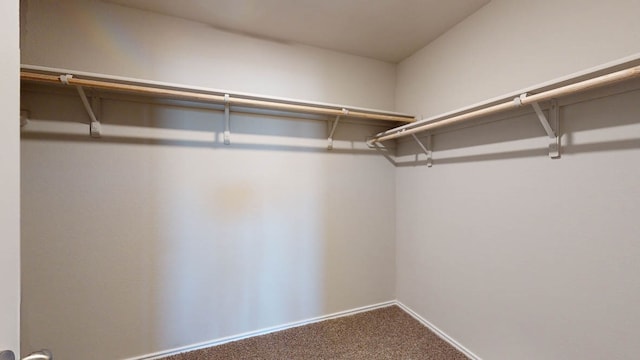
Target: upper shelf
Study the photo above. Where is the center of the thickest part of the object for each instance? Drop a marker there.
(607, 74)
(173, 91)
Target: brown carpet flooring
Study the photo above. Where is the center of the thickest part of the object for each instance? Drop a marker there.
(387, 333)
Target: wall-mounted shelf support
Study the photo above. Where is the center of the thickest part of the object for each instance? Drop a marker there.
(155, 89)
(543, 120)
(554, 144)
(227, 120)
(95, 128)
(425, 148)
(333, 128)
(508, 103)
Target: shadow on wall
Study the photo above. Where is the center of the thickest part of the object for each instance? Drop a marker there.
(147, 240)
(170, 251)
(57, 115)
(602, 120)
(249, 253)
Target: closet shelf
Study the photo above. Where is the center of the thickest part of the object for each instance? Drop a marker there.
(173, 91)
(557, 90)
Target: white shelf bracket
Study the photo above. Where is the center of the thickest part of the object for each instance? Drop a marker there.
(227, 120)
(554, 139)
(95, 128)
(370, 143)
(332, 131)
(554, 143)
(425, 148)
(543, 120)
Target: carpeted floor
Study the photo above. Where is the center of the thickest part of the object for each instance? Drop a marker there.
(387, 333)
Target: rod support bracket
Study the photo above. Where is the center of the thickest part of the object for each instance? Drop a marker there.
(425, 148)
(95, 128)
(554, 139)
(547, 124)
(345, 112)
(227, 120)
(543, 120)
(371, 144)
(554, 142)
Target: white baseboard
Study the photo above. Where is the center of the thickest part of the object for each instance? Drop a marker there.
(439, 332)
(220, 341)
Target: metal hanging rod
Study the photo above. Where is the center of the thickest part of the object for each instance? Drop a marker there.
(183, 93)
(523, 99)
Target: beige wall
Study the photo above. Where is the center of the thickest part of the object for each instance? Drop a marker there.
(510, 45)
(158, 236)
(515, 255)
(9, 180)
(105, 38)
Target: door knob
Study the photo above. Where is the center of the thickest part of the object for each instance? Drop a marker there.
(38, 355)
(43, 354)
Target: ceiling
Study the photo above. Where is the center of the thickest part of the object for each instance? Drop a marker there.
(388, 30)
